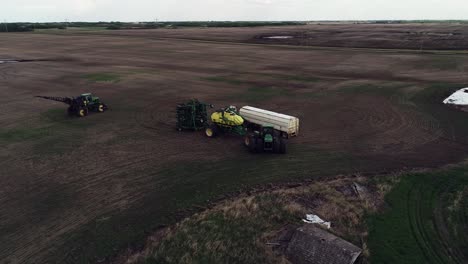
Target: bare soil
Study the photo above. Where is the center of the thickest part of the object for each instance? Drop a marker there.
(361, 111)
(414, 36)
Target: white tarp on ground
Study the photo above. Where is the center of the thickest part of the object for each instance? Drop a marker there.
(459, 97)
(315, 219)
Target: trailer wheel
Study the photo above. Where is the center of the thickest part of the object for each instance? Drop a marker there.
(211, 131)
(101, 108)
(282, 149)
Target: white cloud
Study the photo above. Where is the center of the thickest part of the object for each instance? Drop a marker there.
(83, 6)
(262, 2)
(148, 10)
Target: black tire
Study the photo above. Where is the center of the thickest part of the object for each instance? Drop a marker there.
(259, 145)
(212, 131)
(276, 145)
(253, 144)
(282, 146)
(247, 141)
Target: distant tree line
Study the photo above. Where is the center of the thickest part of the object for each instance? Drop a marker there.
(15, 27)
(24, 27)
(176, 24)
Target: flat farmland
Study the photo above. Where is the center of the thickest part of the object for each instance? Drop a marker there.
(82, 190)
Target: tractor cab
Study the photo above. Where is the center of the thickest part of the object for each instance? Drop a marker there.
(89, 98)
(265, 139)
(91, 103)
(267, 132)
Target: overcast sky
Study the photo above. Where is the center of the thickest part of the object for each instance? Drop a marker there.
(176, 10)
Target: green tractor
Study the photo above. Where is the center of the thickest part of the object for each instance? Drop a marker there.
(265, 139)
(81, 105)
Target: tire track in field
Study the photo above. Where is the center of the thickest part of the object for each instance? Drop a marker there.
(428, 223)
(368, 125)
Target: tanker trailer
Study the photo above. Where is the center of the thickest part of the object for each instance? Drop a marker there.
(287, 125)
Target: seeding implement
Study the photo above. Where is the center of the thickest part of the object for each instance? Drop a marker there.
(192, 115)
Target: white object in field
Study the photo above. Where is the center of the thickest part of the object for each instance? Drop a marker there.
(459, 97)
(314, 219)
(281, 122)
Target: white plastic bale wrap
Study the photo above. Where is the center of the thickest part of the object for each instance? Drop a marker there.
(281, 122)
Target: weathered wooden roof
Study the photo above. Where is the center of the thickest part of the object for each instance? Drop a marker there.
(310, 244)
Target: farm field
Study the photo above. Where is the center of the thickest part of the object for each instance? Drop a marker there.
(82, 190)
(426, 220)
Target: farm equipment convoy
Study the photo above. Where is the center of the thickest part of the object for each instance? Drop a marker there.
(263, 131)
(80, 106)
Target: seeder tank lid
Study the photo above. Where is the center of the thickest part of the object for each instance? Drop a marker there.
(459, 97)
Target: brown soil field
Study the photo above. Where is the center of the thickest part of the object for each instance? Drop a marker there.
(426, 36)
(79, 190)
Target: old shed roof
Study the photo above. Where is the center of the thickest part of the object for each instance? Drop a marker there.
(310, 244)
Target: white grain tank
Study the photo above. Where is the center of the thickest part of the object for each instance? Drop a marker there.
(285, 123)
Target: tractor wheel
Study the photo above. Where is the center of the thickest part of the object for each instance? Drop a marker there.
(248, 140)
(211, 131)
(82, 112)
(282, 149)
(276, 145)
(252, 144)
(259, 145)
(101, 108)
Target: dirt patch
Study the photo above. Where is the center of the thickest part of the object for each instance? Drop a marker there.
(406, 36)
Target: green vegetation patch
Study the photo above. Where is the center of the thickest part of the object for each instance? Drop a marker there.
(224, 79)
(426, 220)
(298, 78)
(58, 133)
(232, 235)
(103, 77)
(440, 62)
(237, 230)
(22, 134)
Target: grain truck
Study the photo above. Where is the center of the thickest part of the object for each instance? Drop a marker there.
(288, 126)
